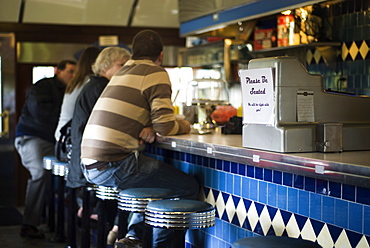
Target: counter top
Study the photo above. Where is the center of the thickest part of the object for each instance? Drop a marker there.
(349, 167)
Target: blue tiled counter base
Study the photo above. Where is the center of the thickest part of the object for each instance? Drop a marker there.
(254, 201)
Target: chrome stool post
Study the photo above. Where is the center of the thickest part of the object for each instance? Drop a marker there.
(135, 200)
(107, 196)
(71, 219)
(48, 163)
(180, 215)
(85, 221)
(59, 170)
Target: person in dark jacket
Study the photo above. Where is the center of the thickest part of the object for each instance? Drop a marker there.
(107, 63)
(35, 140)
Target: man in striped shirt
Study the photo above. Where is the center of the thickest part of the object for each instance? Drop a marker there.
(134, 107)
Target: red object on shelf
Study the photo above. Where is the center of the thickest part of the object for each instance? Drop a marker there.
(264, 38)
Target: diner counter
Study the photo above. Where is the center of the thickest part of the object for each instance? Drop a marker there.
(349, 167)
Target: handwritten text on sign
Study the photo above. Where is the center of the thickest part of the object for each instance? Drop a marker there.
(258, 96)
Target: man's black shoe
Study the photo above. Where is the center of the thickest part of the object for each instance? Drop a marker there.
(31, 232)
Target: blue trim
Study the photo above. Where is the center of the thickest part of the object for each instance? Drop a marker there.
(239, 13)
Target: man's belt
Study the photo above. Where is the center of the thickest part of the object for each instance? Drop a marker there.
(99, 165)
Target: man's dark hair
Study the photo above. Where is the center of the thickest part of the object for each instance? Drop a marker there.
(62, 64)
(147, 44)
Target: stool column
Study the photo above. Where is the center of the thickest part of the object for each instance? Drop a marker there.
(48, 166)
(107, 196)
(59, 170)
(72, 219)
(85, 221)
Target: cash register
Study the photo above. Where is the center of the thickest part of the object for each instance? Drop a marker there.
(286, 109)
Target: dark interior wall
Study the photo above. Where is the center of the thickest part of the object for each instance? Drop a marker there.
(83, 34)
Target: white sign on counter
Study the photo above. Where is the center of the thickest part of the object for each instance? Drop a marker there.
(258, 96)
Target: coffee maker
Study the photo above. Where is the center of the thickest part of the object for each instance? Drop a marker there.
(202, 97)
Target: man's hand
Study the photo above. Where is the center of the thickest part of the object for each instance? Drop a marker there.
(184, 126)
(147, 135)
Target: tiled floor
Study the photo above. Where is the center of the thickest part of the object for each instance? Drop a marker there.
(10, 238)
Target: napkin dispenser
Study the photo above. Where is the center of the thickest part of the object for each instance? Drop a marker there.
(341, 122)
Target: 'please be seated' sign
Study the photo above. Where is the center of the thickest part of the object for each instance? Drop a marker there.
(258, 96)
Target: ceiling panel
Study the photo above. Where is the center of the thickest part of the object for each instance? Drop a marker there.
(156, 13)
(78, 12)
(9, 10)
(149, 13)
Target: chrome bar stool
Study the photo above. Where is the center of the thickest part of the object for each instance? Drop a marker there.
(135, 200)
(273, 242)
(108, 201)
(180, 215)
(60, 170)
(48, 163)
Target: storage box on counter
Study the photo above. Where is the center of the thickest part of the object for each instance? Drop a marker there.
(264, 38)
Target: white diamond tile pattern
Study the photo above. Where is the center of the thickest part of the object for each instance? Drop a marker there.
(307, 231)
(292, 227)
(342, 241)
(363, 243)
(241, 211)
(324, 238)
(278, 224)
(253, 216)
(220, 205)
(211, 198)
(265, 220)
(230, 209)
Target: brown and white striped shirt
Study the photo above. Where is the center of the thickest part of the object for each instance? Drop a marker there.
(138, 96)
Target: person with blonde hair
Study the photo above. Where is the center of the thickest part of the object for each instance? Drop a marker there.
(107, 63)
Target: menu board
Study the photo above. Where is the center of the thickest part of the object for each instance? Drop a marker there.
(258, 96)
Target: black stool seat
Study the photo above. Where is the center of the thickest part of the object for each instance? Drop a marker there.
(180, 214)
(273, 242)
(136, 199)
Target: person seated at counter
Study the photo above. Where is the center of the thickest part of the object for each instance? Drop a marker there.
(134, 106)
(35, 140)
(109, 60)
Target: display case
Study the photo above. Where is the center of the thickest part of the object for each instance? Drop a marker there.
(208, 56)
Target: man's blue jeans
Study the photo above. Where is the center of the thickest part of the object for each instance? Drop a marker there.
(139, 171)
